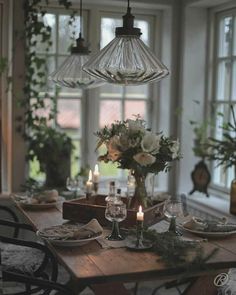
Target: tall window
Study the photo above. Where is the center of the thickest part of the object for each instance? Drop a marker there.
(224, 89)
(68, 102)
(122, 102)
(104, 104)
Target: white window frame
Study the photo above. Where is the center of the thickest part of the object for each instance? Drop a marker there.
(214, 16)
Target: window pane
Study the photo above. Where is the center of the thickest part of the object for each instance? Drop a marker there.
(234, 38)
(223, 80)
(108, 26)
(111, 91)
(49, 20)
(109, 112)
(234, 81)
(225, 36)
(137, 92)
(69, 111)
(75, 158)
(67, 33)
(220, 176)
(134, 108)
(144, 26)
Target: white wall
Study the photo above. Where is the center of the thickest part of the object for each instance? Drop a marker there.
(193, 87)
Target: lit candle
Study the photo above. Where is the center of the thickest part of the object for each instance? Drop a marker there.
(140, 214)
(96, 174)
(89, 183)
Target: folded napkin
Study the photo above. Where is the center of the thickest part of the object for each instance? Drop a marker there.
(70, 231)
(205, 225)
(48, 196)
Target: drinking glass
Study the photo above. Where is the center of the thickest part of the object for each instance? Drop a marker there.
(172, 210)
(115, 212)
(73, 185)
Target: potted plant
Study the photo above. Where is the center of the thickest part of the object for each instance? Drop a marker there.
(224, 152)
(52, 149)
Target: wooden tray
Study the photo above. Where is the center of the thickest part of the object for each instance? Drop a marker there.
(83, 210)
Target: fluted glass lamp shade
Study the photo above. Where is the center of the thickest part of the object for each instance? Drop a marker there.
(126, 60)
(70, 73)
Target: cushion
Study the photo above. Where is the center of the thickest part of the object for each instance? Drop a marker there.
(20, 258)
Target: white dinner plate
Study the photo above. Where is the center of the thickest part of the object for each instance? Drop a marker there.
(26, 204)
(205, 234)
(70, 243)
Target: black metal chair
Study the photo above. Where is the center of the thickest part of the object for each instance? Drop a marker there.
(43, 275)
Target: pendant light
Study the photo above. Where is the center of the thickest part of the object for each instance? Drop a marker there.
(126, 60)
(70, 73)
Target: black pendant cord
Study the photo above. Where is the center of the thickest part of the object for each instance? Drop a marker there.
(80, 47)
(128, 4)
(80, 13)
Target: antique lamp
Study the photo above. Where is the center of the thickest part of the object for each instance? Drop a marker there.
(126, 60)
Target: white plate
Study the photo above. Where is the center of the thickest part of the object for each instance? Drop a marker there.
(70, 243)
(205, 234)
(27, 205)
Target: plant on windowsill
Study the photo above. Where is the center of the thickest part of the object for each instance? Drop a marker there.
(52, 149)
(223, 151)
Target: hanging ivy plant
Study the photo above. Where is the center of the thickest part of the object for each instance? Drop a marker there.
(45, 143)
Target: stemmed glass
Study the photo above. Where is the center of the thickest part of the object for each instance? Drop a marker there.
(73, 185)
(173, 209)
(115, 212)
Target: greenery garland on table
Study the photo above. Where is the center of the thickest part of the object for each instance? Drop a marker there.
(174, 251)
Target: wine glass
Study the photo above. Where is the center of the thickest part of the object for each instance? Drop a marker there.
(115, 212)
(73, 185)
(173, 209)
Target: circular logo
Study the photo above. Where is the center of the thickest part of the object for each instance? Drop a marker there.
(221, 279)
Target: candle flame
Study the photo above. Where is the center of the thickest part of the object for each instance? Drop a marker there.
(90, 175)
(140, 209)
(96, 171)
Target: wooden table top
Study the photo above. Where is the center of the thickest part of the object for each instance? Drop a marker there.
(90, 264)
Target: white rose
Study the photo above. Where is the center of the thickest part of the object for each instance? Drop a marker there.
(144, 159)
(175, 149)
(151, 143)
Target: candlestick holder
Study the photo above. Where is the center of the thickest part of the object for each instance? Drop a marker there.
(139, 243)
(88, 195)
(95, 187)
(139, 235)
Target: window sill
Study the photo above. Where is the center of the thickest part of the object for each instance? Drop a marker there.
(212, 205)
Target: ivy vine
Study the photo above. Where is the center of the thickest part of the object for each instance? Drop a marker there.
(37, 124)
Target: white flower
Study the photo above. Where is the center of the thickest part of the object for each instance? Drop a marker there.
(135, 126)
(144, 159)
(175, 149)
(151, 143)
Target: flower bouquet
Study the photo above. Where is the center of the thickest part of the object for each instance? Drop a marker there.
(134, 147)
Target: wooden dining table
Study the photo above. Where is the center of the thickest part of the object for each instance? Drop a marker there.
(90, 264)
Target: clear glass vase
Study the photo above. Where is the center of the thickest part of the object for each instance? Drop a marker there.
(140, 192)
